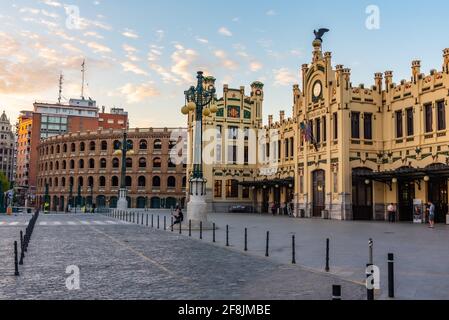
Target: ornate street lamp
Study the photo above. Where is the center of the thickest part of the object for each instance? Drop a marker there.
(200, 101)
(125, 150)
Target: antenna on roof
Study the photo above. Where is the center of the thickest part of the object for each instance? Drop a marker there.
(61, 81)
(83, 71)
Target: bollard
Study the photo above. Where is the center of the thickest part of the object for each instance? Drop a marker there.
(267, 254)
(21, 248)
(171, 224)
(327, 269)
(158, 225)
(134, 217)
(391, 275)
(369, 292)
(227, 236)
(213, 232)
(16, 263)
(371, 245)
(147, 219)
(336, 293)
(201, 230)
(180, 227)
(190, 228)
(152, 221)
(293, 249)
(246, 239)
(138, 222)
(165, 223)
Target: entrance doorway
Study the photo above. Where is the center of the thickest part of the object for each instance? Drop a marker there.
(319, 196)
(406, 195)
(438, 196)
(362, 196)
(265, 200)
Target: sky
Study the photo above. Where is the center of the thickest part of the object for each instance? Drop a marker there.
(143, 54)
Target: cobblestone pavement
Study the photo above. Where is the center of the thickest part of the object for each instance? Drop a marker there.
(421, 254)
(127, 261)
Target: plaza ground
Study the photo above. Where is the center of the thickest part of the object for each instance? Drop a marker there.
(120, 260)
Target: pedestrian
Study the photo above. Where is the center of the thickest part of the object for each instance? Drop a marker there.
(431, 215)
(273, 208)
(178, 215)
(391, 213)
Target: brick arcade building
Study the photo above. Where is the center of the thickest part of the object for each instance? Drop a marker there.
(82, 169)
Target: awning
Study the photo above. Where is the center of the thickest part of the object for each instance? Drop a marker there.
(405, 174)
(287, 182)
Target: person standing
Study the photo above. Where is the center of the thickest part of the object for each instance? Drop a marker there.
(391, 213)
(431, 215)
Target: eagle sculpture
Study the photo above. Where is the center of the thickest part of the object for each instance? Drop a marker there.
(320, 33)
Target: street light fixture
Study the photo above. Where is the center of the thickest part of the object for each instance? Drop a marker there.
(200, 101)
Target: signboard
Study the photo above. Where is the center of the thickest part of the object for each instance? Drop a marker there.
(418, 211)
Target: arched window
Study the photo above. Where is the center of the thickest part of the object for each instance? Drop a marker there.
(73, 147)
(81, 164)
(171, 182)
(130, 144)
(184, 182)
(104, 145)
(92, 146)
(142, 181)
(143, 145)
(71, 181)
(57, 165)
(102, 181)
(56, 182)
(129, 181)
(64, 148)
(82, 147)
(114, 181)
(72, 164)
(58, 149)
(51, 166)
(46, 166)
(142, 163)
(80, 182)
(103, 163)
(90, 181)
(157, 144)
(46, 151)
(64, 165)
(52, 150)
(63, 182)
(115, 163)
(50, 182)
(91, 164)
(232, 189)
(171, 164)
(157, 163)
(156, 182)
(129, 162)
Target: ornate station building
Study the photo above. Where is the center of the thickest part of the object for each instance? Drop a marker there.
(346, 153)
(83, 169)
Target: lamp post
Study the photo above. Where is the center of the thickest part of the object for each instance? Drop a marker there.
(126, 149)
(46, 199)
(200, 101)
(90, 189)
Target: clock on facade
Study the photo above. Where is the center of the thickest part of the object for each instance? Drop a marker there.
(317, 90)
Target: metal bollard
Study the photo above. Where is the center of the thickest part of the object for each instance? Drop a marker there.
(371, 256)
(327, 269)
(171, 224)
(267, 254)
(227, 236)
(213, 232)
(152, 221)
(391, 275)
(165, 223)
(138, 218)
(16, 262)
(158, 225)
(147, 219)
(180, 227)
(190, 228)
(293, 249)
(369, 292)
(201, 230)
(21, 248)
(246, 239)
(336, 292)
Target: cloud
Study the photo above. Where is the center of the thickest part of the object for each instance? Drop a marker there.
(51, 3)
(70, 47)
(130, 34)
(255, 66)
(284, 77)
(225, 32)
(138, 93)
(93, 34)
(98, 48)
(182, 59)
(202, 40)
(225, 61)
(167, 77)
(271, 13)
(131, 67)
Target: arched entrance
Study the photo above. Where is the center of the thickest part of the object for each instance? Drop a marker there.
(170, 203)
(55, 203)
(362, 195)
(61, 204)
(113, 202)
(101, 202)
(438, 195)
(141, 203)
(318, 193)
(155, 203)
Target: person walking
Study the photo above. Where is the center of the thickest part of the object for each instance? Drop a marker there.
(431, 215)
(273, 208)
(391, 213)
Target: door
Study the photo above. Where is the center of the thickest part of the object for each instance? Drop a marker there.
(362, 199)
(265, 200)
(405, 205)
(319, 196)
(438, 196)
